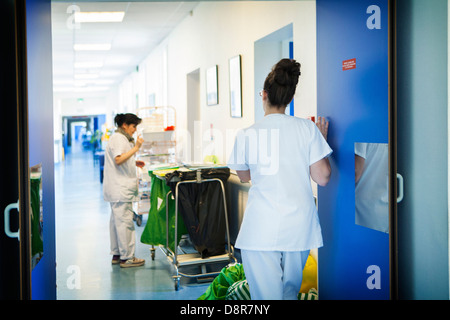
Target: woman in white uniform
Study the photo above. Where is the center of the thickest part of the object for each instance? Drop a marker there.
(280, 154)
(121, 190)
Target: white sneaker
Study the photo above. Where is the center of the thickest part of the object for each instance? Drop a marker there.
(133, 262)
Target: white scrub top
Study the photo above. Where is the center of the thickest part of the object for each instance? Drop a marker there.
(119, 181)
(281, 214)
(371, 191)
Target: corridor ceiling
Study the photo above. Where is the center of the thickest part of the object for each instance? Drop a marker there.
(144, 26)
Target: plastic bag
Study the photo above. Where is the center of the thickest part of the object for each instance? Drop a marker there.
(155, 230)
(202, 208)
(229, 275)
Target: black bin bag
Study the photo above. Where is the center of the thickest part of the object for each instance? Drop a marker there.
(202, 208)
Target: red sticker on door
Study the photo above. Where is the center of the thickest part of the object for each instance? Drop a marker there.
(349, 64)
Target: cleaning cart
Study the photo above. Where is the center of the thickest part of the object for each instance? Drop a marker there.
(199, 197)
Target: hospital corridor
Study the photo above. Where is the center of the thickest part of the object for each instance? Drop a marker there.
(261, 150)
(84, 269)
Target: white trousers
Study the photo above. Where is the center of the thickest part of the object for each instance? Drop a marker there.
(274, 275)
(121, 230)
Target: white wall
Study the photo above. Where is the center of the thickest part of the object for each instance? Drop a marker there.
(215, 32)
(69, 104)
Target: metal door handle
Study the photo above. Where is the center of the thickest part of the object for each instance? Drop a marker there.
(400, 188)
(8, 231)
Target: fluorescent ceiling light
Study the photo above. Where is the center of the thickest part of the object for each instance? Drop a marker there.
(62, 89)
(87, 65)
(87, 82)
(79, 83)
(90, 89)
(118, 59)
(85, 76)
(87, 89)
(99, 16)
(112, 73)
(62, 82)
(103, 82)
(92, 46)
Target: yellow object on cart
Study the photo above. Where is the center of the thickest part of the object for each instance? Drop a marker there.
(309, 275)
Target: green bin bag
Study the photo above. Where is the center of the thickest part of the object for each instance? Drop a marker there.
(218, 288)
(231, 284)
(155, 229)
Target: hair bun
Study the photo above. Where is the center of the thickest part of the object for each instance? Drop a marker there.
(286, 72)
(282, 81)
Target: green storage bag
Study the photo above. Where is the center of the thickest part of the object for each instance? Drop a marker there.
(155, 229)
(217, 290)
(238, 291)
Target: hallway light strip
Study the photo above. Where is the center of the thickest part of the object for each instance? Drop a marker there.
(84, 89)
(99, 16)
(87, 65)
(82, 76)
(92, 46)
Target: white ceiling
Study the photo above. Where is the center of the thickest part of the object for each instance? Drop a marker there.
(144, 26)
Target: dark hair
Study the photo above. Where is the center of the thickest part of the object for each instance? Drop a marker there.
(281, 82)
(127, 118)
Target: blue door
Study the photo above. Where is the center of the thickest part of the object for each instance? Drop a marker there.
(353, 93)
(40, 128)
(27, 237)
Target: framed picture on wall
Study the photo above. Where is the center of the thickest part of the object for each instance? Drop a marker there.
(234, 65)
(212, 91)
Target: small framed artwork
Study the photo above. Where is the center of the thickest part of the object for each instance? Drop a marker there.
(235, 86)
(212, 92)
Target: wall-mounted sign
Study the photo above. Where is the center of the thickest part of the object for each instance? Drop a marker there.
(349, 64)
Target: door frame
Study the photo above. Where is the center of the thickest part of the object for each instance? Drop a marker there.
(23, 149)
(393, 185)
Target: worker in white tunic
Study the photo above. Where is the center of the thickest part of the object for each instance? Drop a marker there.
(280, 154)
(121, 190)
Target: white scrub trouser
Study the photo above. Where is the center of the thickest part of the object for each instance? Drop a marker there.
(274, 275)
(121, 230)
